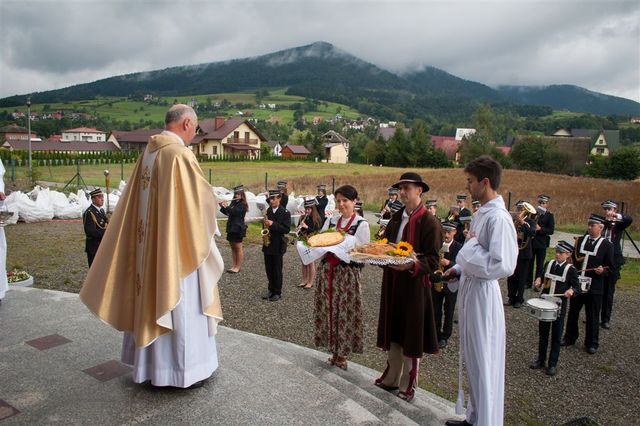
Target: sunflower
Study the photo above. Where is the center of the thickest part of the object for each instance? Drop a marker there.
(403, 248)
(382, 241)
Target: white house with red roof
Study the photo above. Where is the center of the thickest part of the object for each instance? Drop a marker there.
(87, 134)
(235, 136)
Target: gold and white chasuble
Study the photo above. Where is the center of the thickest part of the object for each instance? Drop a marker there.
(161, 233)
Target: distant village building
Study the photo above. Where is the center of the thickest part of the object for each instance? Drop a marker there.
(635, 120)
(336, 147)
(13, 132)
(462, 133)
(449, 145)
(299, 152)
(235, 136)
(276, 148)
(87, 134)
(387, 132)
(602, 142)
(135, 140)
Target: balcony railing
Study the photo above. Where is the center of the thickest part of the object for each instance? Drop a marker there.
(243, 141)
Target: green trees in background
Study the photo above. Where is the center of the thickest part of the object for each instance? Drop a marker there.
(622, 164)
(540, 155)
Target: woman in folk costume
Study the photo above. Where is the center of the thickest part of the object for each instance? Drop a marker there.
(236, 227)
(406, 322)
(4, 285)
(309, 224)
(155, 275)
(338, 297)
(489, 254)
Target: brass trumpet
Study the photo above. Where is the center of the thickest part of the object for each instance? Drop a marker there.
(518, 217)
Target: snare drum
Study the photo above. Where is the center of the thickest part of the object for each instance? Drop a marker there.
(542, 310)
(585, 284)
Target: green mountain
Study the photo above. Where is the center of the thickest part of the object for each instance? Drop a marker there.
(322, 71)
(572, 98)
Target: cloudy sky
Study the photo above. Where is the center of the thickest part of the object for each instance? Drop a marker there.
(49, 44)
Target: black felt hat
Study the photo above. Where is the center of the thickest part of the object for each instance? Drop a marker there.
(411, 177)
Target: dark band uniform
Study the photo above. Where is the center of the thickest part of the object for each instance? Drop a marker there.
(323, 200)
(447, 296)
(591, 300)
(284, 198)
(567, 277)
(542, 239)
(464, 212)
(517, 281)
(274, 253)
(613, 231)
(236, 227)
(95, 222)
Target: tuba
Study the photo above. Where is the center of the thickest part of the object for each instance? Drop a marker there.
(266, 240)
(576, 251)
(439, 286)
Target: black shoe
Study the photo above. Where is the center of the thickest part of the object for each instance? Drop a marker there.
(267, 295)
(442, 343)
(274, 298)
(457, 423)
(605, 325)
(565, 342)
(551, 371)
(591, 350)
(536, 365)
(517, 305)
(509, 302)
(385, 387)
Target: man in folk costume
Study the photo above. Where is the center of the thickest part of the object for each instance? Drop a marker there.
(445, 293)
(406, 324)
(560, 277)
(156, 273)
(4, 285)
(526, 230)
(545, 226)
(95, 222)
(278, 222)
(323, 200)
(488, 255)
(593, 256)
(614, 227)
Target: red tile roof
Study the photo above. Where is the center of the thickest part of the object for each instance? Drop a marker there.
(83, 130)
(135, 136)
(209, 131)
(448, 144)
(56, 145)
(297, 149)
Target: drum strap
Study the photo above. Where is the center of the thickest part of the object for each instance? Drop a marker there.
(554, 277)
(587, 253)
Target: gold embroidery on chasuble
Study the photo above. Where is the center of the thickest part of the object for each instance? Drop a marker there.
(138, 284)
(140, 231)
(146, 177)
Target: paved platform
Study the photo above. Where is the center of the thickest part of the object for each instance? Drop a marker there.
(60, 364)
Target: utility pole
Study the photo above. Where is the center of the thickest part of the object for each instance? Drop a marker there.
(29, 130)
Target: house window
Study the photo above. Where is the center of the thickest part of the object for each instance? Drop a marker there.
(247, 137)
(599, 150)
(236, 135)
(215, 150)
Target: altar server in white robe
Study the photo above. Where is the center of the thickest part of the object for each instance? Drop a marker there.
(489, 253)
(3, 242)
(156, 271)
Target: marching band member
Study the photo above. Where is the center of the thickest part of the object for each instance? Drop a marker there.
(432, 207)
(461, 200)
(358, 208)
(526, 229)
(385, 212)
(593, 256)
(614, 227)
(406, 324)
(338, 314)
(284, 193)
(95, 223)
(278, 222)
(309, 223)
(236, 227)
(323, 200)
(441, 292)
(545, 226)
(563, 279)
(475, 205)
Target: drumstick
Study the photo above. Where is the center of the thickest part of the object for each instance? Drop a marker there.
(592, 269)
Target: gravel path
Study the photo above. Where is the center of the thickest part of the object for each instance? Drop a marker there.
(603, 387)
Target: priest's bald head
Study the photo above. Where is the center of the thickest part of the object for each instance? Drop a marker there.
(182, 120)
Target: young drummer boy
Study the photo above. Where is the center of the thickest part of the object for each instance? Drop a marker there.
(562, 278)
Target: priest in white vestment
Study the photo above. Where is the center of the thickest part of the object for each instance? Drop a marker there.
(489, 253)
(4, 286)
(155, 275)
